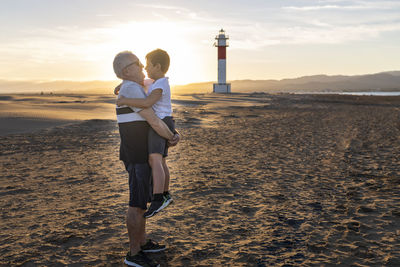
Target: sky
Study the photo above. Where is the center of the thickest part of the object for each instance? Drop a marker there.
(47, 40)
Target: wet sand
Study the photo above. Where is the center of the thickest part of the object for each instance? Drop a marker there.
(258, 180)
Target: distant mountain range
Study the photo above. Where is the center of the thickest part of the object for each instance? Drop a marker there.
(384, 81)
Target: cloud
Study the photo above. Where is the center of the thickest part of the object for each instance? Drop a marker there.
(309, 8)
(165, 7)
(256, 36)
(346, 21)
(179, 13)
(348, 5)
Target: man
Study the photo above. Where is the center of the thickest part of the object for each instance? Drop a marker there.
(134, 125)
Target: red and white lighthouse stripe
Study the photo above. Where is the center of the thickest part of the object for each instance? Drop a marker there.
(221, 44)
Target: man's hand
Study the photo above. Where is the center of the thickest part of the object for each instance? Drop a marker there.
(121, 101)
(174, 140)
(116, 90)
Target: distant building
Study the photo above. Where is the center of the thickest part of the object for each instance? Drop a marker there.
(221, 43)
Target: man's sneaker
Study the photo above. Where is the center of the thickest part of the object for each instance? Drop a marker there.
(140, 260)
(155, 207)
(167, 199)
(151, 246)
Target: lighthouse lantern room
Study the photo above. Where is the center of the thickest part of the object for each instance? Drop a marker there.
(221, 43)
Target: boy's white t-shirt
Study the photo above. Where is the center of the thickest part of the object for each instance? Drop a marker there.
(162, 108)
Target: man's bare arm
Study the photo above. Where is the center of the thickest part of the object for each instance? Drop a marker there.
(158, 125)
(147, 102)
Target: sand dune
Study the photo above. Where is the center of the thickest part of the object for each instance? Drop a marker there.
(24, 113)
(258, 180)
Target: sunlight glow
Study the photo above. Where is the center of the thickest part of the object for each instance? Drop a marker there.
(143, 37)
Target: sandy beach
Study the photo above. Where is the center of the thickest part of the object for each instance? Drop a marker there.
(257, 180)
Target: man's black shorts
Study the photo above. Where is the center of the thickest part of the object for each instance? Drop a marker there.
(158, 144)
(140, 187)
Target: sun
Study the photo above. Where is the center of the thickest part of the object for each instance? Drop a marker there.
(143, 37)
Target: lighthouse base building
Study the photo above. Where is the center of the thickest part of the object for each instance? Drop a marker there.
(221, 87)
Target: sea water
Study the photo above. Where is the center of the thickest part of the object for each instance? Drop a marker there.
(372, 93)
(353, 93)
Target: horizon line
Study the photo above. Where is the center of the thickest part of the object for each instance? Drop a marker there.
(244, 79)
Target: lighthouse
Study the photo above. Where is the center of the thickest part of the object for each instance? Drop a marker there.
(221, 43)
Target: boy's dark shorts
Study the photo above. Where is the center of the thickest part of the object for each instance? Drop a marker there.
(158, 144)
(140, 188)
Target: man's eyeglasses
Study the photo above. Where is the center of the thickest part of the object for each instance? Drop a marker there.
(137, 63)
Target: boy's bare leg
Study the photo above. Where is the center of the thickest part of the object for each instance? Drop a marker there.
(156, 163)
(136, 225)
(166, 172)
(157, 204)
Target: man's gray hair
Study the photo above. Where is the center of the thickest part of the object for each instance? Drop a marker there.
(122, 60)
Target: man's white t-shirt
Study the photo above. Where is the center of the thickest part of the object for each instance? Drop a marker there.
(130, 89)
(162, 108)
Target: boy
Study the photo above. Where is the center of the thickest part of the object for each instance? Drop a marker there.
(133, 124)
(159, 97)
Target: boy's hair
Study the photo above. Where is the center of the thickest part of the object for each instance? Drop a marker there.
(161, 57)
(122, 60)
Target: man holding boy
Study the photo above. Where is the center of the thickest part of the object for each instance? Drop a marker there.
(159, 99)
(134, 126)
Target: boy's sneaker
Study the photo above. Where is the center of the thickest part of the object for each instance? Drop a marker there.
(151, 246)
(167, 199)
(140, 260)
(155, 207)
